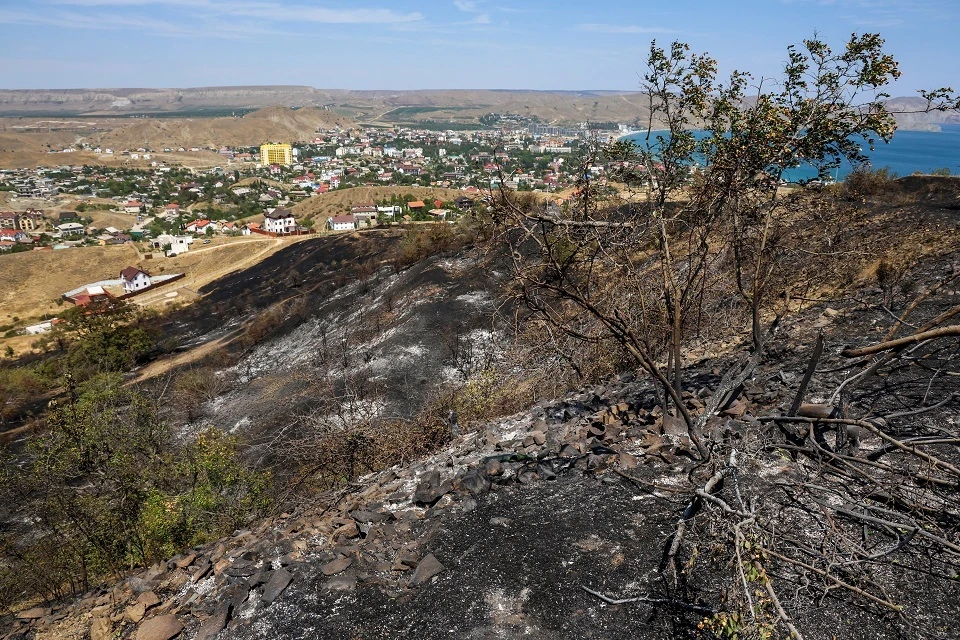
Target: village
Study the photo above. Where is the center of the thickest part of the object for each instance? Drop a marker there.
(163, 209)
(168, 204)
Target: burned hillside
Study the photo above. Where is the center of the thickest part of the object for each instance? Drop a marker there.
(360, 321)
(827, 502)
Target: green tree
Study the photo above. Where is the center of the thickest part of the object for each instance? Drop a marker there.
(110, 487)
(105, 335)
(644, 268)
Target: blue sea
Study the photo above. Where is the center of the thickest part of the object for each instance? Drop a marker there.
(908, 152)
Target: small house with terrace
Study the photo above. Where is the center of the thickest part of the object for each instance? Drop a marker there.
(341, 223)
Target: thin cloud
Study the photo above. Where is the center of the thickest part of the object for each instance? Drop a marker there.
(467, 6)
(263, 10)
(624, 28)
(139, 24)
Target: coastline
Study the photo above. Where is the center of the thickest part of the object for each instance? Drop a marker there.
(640, 131)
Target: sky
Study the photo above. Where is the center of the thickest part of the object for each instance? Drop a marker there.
(442, 44)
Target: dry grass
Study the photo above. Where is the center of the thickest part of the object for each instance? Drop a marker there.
(103, 219)
(36, 280)
(338, 202)
(205, 263)
(33, 281)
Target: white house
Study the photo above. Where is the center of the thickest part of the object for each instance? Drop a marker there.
(178, 244)
(199, 226)
(134, 279)
(36, 329)
(132, 206)
(389, 210)
(341, 223)
(280, 221)
(70, 229)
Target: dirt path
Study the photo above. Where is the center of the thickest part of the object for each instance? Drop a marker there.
(163, 365)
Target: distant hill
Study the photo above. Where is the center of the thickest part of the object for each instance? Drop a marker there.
(910, 115)
(270, 124)
(464, 106)
(144, 101)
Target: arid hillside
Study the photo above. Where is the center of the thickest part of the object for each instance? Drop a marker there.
(426, 488)
(121, 101)
(265, 125)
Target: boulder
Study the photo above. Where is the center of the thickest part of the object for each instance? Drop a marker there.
(148, 599)
(160, 628)
(101, 629)
(429, 567)
(33, 614)
(336, 566)
(343, 582)
(135, 612)
(279, 581)
(213, 625)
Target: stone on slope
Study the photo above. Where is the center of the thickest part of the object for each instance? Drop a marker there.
(279, 581)
(101, 629)
(148, 599)
(33, 614)
(336, 566)
(427, 568)
(215, 623)
(160, 628)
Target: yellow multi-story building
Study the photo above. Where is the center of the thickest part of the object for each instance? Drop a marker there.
(276, 154)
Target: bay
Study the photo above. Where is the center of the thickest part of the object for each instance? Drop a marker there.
(907, 153)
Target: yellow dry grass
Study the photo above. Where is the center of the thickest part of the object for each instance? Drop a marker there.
(33, 281)
(338, 202)
(205, 263)
(36, 280)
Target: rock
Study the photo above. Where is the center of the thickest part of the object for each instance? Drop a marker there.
(343, 582)
(160, 628)
(626, 461)
(186, 561)
(241, 569)
(673, 426)
(372, 517)
(33, 614)
(500, 521)
(539, 438)
(215, 623)
(101, 629)
(429, 567)
(493, 467)
(336, 566)
(571, 450)
(430, 489)
(280, 580)
(409, 558)
(811, 410)
(135, 612)
(474, 482)
(736, 410)
(148, 599)
(237, 595)
(349, 530)
(468, 504)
